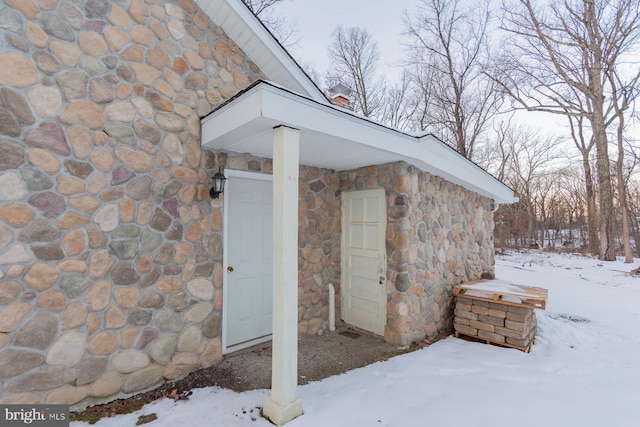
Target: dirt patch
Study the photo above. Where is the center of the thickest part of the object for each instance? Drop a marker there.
(319, 357)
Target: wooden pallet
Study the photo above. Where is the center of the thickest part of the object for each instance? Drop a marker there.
(501, 344)
(504, 293)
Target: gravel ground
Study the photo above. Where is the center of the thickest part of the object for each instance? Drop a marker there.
(319, 357)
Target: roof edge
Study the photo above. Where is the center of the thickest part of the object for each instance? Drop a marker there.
(278, 53)
(439, 147)
(444, 145)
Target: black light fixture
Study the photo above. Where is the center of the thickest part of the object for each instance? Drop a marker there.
(218, 184)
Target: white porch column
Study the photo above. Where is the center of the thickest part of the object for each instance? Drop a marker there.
(283, 404)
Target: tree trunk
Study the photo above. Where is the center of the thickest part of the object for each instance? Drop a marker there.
(606, 217)
(626, 237)
(622, 196)
(595, 93)
(530, 225)
(636, 231)
(592, 210)
(570, 228)
(622, 191)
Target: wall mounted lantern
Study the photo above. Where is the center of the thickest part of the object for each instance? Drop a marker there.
(218, 184)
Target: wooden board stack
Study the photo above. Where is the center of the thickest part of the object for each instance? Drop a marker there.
(498, 313)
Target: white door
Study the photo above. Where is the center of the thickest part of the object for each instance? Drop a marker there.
(364, 260)
(249, 286)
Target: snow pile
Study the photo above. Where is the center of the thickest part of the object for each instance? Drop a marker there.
(583, 370)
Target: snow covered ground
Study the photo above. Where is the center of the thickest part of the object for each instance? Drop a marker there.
(584, 369)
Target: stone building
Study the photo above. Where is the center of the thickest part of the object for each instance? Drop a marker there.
(117, 269)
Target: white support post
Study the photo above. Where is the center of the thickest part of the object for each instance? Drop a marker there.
(283, 404)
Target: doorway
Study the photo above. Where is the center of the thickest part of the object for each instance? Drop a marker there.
(248, 288)
(364, 259)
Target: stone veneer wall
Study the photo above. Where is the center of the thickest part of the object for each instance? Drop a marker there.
(438, 235)
(319, 254)
(110, 255)
(110, 248)
(318, 234)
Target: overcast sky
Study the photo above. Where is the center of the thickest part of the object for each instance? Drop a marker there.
(318, 18)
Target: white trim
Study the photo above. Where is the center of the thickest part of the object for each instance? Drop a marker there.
(247, 344)
(343, 257)
(233, 173)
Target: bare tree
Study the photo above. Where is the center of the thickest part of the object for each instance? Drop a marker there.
(529, 169)
(557, 61)
(494, 154)
(398, 110)
(354, 60)
(621, 96)
(584, 142)
(569, 185)
(632, 182)
(448, 48)
(265, 10)
(309, 67)
(633, 191)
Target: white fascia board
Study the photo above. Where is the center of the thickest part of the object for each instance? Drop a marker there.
(459, 168)
(298, 112)
(231, 116)
(236, 20)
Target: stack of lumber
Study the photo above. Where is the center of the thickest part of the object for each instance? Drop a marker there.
(498, 312)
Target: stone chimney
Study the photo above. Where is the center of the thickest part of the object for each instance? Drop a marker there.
(340, 95)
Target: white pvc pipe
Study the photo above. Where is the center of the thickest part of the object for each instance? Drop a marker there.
(332, 307)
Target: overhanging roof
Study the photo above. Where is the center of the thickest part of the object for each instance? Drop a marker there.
(336, 139)
(246, 31)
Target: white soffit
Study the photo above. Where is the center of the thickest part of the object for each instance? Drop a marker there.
(332, 138)
(246, 31)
